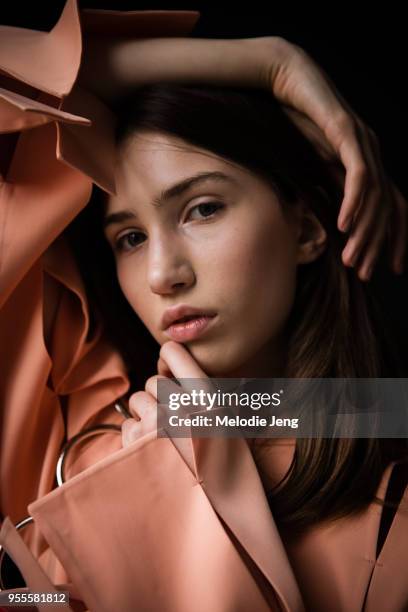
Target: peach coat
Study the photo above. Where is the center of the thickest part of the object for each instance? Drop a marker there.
(164, 524)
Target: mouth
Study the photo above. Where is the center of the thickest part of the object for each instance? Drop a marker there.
(189, 327)
(187, 318)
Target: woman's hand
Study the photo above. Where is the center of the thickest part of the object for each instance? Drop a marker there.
(174, 361)
(372, 206)
(143, 408)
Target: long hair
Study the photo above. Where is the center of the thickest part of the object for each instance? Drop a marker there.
(334, 329)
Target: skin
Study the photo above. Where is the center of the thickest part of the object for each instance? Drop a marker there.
(239, 260)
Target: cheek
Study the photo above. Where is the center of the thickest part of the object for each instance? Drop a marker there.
(258, 270)
(253, 282)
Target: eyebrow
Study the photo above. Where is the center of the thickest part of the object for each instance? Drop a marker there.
(169, 193)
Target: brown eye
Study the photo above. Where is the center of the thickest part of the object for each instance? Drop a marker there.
(128, 241)
(207, 209)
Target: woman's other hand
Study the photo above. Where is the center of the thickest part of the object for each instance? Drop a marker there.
(175, 361)
(143, 408)
(373, 208)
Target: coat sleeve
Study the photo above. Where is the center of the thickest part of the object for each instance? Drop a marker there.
(137, 531)
(56, 141)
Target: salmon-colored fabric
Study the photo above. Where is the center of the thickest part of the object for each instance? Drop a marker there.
(186, 520)
(165, 524)
(335, 564)
(55, 141)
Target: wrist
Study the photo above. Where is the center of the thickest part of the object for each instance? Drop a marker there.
(273, 53)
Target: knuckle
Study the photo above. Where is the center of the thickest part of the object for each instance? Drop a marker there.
(138, 401)
(152, 388)
(137, 397)
(362, 172)
(128, 425)
(343, 122)
(129, 430)
(151, 381)
(347, 124)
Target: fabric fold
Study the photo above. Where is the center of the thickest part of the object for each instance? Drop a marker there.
(49, 61)
(19, 113)
(34, 576)
(157, 518)
(223, 465)
(58, 141)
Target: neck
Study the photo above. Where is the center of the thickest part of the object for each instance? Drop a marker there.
(269, 362)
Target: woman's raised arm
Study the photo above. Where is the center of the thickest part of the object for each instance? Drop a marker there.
(372, 206)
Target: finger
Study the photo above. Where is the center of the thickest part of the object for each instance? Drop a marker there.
(354, 186)
(163, 369)
(369, 256)
(366, 240)
(375, 197)
(180, 361)
(141, 404)
(131, 431)
(377, 235)
(151, 384)
(398, 230)
(348, 255)
(357, 173)
(183, 365)
(370, 222)
(365, 224)
(333, 115)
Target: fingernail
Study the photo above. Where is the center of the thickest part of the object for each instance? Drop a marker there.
(362, 276)
(350, 258)
(344, 225)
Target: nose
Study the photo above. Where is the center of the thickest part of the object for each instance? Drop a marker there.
(169, 267)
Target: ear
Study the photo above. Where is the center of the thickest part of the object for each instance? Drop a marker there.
(311, 235)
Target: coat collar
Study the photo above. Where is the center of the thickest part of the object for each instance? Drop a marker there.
(38, 71)
(227, 473)
(392, 560)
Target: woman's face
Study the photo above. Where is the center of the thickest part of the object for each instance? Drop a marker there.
(219, 244)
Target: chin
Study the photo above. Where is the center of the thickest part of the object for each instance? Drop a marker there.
(216, 362)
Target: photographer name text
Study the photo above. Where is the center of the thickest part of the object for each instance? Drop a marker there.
(200, 420)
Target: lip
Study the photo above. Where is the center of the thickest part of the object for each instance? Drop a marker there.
(171, 315)
(190, 330)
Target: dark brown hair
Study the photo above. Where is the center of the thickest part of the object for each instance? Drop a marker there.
(334, 328)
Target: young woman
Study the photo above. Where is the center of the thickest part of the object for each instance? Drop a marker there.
(222, 206)
(61, 373)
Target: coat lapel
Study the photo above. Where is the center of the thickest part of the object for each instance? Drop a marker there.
(388, 588)
(226, 471)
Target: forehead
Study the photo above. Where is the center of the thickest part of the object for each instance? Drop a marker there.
(148, 163)
(146, 147)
